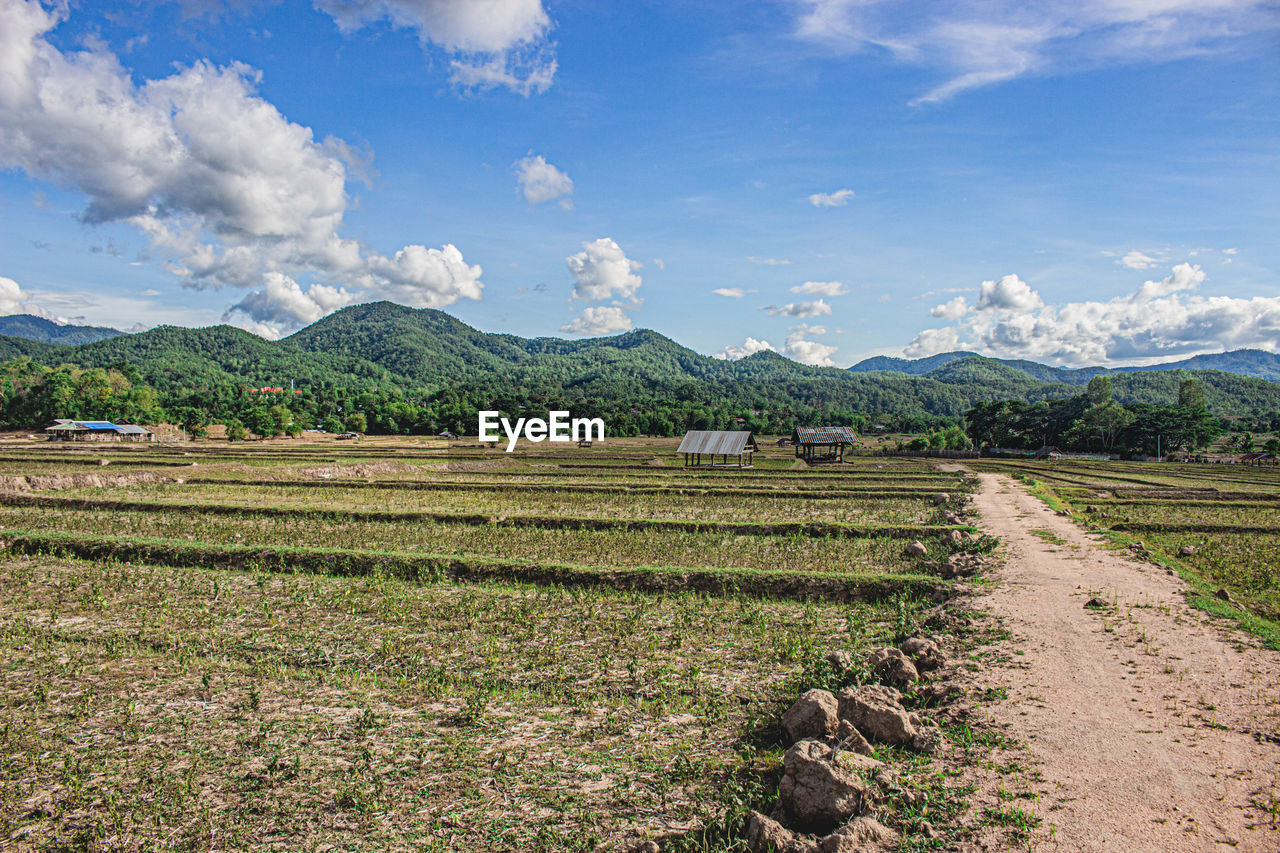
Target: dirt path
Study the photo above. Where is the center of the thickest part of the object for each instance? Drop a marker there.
(1151, 726)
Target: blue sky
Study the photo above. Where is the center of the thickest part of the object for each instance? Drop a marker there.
(1073, 182)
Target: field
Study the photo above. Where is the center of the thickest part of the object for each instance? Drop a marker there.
(405, 645)
(1218, 524)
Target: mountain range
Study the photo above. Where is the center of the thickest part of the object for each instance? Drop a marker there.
(382, 345)
(35, 328)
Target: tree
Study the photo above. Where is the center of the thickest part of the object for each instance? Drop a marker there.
(331, 424)
(235, 430)
(357, 422)
(1099, 390)
(1191, 395)
(1103, 422)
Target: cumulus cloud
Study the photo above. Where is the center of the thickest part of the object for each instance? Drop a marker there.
(1161, 318)
(800, 348)
(602, 271)
(282, 306)
(493, 42)
(1136, 260)
(821, 288)
(750, 346)
(839, 198)
(975, 43)
(1008, 292)
(226, 189)
(817, 308)
(952, 309)
(540, 181)
(15, 300)
(599, 320)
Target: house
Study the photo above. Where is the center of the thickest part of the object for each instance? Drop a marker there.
(133, 432)
(712, 443)
(68, 430)
(823, 444)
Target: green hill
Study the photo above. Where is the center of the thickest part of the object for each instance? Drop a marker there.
(402, 354)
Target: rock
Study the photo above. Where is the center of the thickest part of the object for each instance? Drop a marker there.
(1186, 550)
(956, 538)
(925, 654)
(1091, 508)
(1095, 604)
(876, 711)
(927, 739)
(841, 661)
(765, 835)
(1223, 594)
(861, 835)
(818, 790)
(645, 847)
(926, 829)
(941, 498)
(917, 549)
(812, 716)
(848, 737)
(892, 666)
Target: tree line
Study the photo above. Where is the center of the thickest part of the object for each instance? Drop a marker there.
(1094, 422)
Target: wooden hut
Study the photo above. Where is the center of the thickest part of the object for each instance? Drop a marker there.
(823, 444)
(703, 447)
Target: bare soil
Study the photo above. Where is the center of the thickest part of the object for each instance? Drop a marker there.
(1138, 725)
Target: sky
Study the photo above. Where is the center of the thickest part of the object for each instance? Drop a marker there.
(1084, 182)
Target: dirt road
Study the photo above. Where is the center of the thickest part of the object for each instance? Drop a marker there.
(1151, 726)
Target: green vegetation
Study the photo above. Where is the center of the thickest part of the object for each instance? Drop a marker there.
(403, 371)
(438, 649)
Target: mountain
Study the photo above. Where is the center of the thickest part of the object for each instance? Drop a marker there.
(36, 328)
(416, 354)
(1245, 362)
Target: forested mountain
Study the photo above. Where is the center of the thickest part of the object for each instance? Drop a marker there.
(36, 328)
(419, 370)
(1245, 362)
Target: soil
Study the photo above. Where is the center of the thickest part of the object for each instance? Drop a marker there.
(1143, 724)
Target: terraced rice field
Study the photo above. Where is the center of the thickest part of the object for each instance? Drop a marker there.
(397, 645)
(1226, 517)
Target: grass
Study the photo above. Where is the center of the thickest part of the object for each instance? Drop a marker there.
(434, 649)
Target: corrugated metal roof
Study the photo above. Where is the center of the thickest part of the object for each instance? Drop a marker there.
(133, 429)
(719, 441)
(826, 435)
(98, 425)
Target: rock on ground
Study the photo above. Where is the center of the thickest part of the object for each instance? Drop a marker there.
(892, 666)
(765, 835)
(917, 549)
(818, 790)
(812, 716)
(877, 712)
(861, 835)
(925, 654)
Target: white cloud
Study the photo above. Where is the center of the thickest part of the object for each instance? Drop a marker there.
(226, 189)
(15, 300)
(731, 292)
(599, 320)
(282, 306)
(800, 348)
(821, 288)
(982, 42)
(933, 341)
(602, 271)
(540, 181)
(1136, 260)
(1009, 293)
(495, 42)
(839, 198)
(1230, 251)
(817, 308)
(750, 346)
(1160, 319)
(768, 262)
(952, 309)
